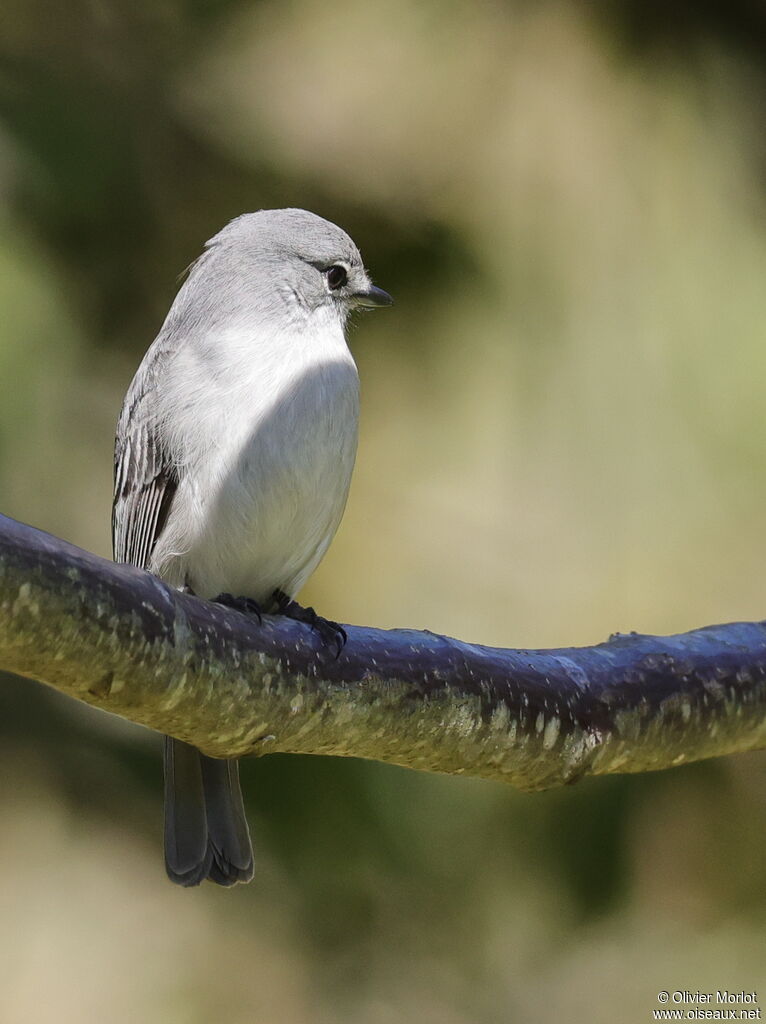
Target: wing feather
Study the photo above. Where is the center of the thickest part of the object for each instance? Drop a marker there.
(145, 482)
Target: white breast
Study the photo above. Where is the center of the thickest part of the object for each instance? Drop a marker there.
(268, 446)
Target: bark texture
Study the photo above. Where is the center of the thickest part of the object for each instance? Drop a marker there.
(118, 638)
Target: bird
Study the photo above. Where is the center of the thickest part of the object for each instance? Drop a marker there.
(234, 452)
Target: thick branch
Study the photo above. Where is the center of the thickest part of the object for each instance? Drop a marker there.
(122, 640)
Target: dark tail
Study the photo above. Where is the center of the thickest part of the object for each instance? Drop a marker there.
(206, 834)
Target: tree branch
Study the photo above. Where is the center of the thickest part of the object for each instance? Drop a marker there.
(122, 640)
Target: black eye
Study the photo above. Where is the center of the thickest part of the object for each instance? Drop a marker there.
(336, 276)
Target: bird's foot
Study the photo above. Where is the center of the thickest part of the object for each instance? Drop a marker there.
(328, 631)
(241, 604)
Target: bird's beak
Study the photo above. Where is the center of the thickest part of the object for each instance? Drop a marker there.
(373, 297)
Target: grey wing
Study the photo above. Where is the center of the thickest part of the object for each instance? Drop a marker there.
(145, 482)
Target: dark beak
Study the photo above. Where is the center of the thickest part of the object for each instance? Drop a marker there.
(373, 297)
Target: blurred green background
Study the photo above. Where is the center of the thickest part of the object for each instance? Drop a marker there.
(562, 436)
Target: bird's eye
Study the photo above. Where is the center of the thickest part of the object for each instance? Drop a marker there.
(336, 276)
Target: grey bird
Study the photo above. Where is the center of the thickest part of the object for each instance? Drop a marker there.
(233, 460)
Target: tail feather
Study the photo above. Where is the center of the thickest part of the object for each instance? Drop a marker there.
(206, 834)
(228, 834)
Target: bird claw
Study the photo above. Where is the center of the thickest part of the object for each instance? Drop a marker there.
(329, 632)
(241, 604)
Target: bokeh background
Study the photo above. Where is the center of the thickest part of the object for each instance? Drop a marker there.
(562, 436)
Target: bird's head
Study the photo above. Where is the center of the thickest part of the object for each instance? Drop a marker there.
(290, 261)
